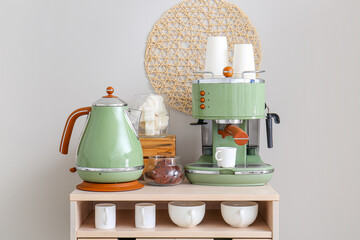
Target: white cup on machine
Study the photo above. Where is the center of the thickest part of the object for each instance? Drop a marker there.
(145, 215)
(244, 61)
(105, 215)
(217, 56)
(225, 157)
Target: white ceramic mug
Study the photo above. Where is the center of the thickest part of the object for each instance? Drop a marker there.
(239, 214)
(105, 216)
(186, 214)
(225, 157)
(145, 215)
(244, 60)
(216, 56)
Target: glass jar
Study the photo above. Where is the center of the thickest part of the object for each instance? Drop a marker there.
(164, 171)
(154, 121)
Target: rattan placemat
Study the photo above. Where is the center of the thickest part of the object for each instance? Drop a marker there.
(176, 45)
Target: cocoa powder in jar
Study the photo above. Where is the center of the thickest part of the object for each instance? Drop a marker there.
(165, 173)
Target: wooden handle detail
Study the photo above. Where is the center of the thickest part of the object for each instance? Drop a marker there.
(109, 91)
(239, 135)
(65, 139)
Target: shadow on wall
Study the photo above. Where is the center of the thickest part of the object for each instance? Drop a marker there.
(48, 198)
(188, 138)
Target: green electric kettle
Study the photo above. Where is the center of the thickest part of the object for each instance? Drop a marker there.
(109, 150)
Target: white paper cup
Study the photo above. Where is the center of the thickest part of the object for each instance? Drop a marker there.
(244, 61)
(186, 214)
(225, 157)
(239, 214)
(145, 215)
(217, 56)
(105, 216)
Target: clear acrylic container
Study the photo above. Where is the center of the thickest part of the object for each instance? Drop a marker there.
(155, 117)
(164, 171)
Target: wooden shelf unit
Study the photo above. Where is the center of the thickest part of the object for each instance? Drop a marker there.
(265, 227)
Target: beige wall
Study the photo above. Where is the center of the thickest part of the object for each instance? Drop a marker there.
(56, 56)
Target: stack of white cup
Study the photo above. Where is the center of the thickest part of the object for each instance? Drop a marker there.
(217, 56)
(244, 61)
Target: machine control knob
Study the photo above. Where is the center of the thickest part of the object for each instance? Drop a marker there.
(202, 93)
(202, 99)
(202, 106)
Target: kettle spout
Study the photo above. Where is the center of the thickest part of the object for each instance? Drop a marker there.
(133, 117)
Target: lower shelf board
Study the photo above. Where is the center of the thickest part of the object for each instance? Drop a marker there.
(213, 226)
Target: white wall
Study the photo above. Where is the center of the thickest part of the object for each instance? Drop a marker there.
(56, 56)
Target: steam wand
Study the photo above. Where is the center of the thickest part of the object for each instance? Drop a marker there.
(269, 131)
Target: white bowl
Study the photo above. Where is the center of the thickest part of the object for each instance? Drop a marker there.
(186, 214)
(239, 214)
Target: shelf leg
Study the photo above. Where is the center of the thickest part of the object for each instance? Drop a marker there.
(78, 213)
(269, 211)
(275, 225)
(73, 216)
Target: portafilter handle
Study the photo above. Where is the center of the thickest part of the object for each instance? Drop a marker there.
(239, 135)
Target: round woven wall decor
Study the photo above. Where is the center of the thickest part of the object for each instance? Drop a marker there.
(176, 46)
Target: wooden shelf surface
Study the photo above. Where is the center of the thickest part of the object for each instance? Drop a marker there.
(213, 226)
(182, 192)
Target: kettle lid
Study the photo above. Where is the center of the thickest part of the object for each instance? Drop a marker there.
(110, 100)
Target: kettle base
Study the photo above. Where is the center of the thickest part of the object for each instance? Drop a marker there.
(109, 187)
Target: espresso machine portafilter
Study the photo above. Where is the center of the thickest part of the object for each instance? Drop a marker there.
(229, 112)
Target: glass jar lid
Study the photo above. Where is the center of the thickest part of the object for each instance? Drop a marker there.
(164, 160)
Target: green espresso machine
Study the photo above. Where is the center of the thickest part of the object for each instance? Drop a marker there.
(229, 112)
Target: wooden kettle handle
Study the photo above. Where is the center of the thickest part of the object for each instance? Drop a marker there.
(64, 144)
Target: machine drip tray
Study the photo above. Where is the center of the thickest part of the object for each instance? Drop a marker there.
(239, 169)
(250, 174)
(212, 165)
